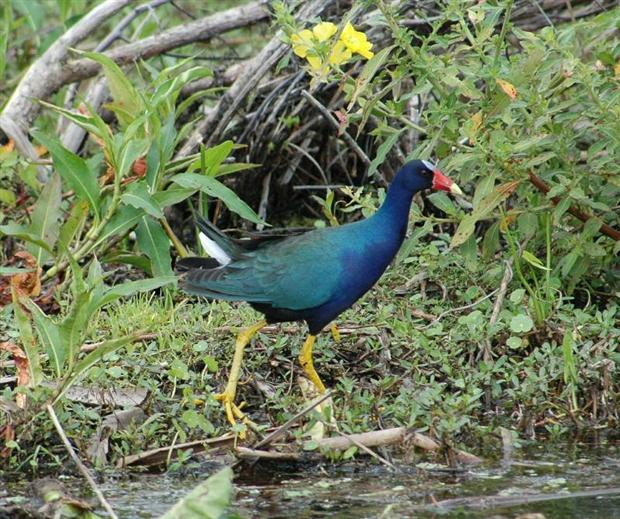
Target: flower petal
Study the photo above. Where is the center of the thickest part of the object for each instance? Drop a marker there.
(314, 62)
(324, 30)
(339, 54)
(302, 41)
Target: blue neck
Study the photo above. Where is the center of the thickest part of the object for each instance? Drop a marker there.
(395, 209)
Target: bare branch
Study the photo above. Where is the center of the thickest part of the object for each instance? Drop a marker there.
(44, 76)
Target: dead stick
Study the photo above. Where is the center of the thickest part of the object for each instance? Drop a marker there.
(390, 437)
(81, 467)
(577, 213)
(332, 120)
(247, 453)
(366, 449)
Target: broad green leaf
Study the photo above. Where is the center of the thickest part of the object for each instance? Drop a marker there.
(521, 323)
(74, 170)
(172, 195)
(539, 159)
(26, 337)
(533, 260)
(91, 123)
(208, 500)
(135, 260)
(130, 288)
(465, 229)
(490, 242)
(373, 65)
(131, 152)
(153, 241)
(11, 271)
(212, 158)
(382, 151)
(137, 195)
(22, 233)
(442, 202)
(570, 369)
(124, 219)
(213, 187)
(7, 197)
(45, 218)
(227, 169)
(485, 187)
(51, 338)
(67, 232)
(128, 104)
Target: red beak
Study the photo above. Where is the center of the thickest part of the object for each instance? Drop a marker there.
(440, 181)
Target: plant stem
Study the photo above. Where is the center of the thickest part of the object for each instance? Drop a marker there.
(180, 248)
(502, 34)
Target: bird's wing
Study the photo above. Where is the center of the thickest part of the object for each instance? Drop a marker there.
(295, 273)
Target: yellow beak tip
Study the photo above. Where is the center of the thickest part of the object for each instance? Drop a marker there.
(456, 190)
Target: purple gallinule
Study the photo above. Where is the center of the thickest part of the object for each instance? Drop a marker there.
(310, 277)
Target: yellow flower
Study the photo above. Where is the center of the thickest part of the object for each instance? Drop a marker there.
(324, 30)
(339, 54)
(314, 62)
(302, 41)
(356, 41)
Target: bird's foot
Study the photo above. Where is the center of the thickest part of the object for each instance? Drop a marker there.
(233, 411)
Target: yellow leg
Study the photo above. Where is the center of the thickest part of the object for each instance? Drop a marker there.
(335, 332)
(305, 359)
(228, 396)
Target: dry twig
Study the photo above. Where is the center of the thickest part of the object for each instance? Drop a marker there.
(81, 467)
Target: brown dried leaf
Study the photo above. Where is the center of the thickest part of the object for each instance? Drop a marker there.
(27, 284)
(22, 367)
(508, 88)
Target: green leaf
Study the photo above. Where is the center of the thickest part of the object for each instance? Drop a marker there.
(212, 158)
(74, 170)
(172, 195)
(130, 288)
(533, 260)
(442, 202)
(373, 65)
(11, 271)
(539, 159)
(21, 233)
(209, 500)
(70, 227)
(128, 104)
(213, 187)
(465, 229)
(382, 151)
(44, 220)
(227, 169)
(7, 197)
(91, 123)
(521, 323)
(517, 296)
(50, 334)
(570, 369)
(138, 196)
(123, 220)
(153, 241)
(27, 340)
(131, 151)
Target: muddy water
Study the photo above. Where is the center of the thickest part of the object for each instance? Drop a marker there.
(560, 481)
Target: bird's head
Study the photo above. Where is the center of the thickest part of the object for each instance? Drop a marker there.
(423, 174)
